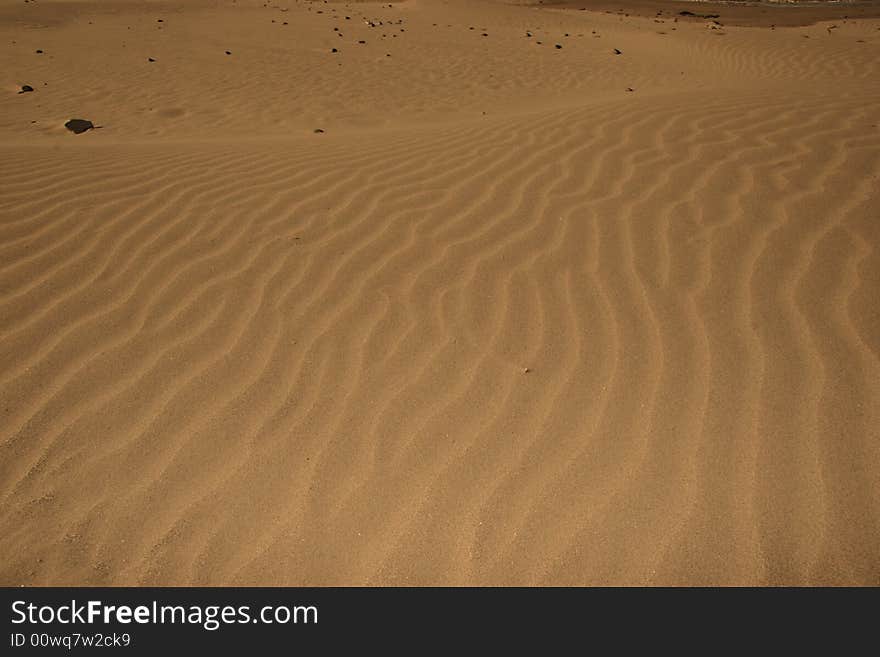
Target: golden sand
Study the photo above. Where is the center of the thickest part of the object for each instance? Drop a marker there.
(520, 314)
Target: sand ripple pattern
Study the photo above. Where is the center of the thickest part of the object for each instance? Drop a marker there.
(618, 344)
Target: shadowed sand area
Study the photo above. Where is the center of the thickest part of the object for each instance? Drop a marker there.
(520, 314)
(749, 13)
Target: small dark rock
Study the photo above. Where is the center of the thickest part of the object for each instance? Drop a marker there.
(318, 131)
(25, 88)
(150, 59)
(558, 47)
(617, 52)
(39, 52)
(78, 126)
(228, 53)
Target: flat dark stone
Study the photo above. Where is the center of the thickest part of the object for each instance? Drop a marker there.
(78, 126)
(25, 88)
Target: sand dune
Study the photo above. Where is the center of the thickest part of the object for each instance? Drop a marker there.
(504, 321)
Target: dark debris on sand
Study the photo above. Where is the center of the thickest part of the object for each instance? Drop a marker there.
(79, 126)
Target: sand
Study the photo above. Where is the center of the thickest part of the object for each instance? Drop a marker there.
(520, 314)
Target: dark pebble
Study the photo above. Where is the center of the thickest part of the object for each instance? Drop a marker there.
(25, 88)
(78, 126)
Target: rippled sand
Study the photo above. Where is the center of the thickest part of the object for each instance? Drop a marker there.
(519, 315)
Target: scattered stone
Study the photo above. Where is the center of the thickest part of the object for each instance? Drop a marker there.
(228, 53)
(39, 52)
(617, 52)
(25, 88)
(150, 59)
(318, 131)
(334, 50)
(558, 47)
(78, 126)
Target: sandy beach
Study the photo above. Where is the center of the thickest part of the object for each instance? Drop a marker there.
(439, 292)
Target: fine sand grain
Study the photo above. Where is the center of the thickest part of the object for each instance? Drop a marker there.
(448, 304)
